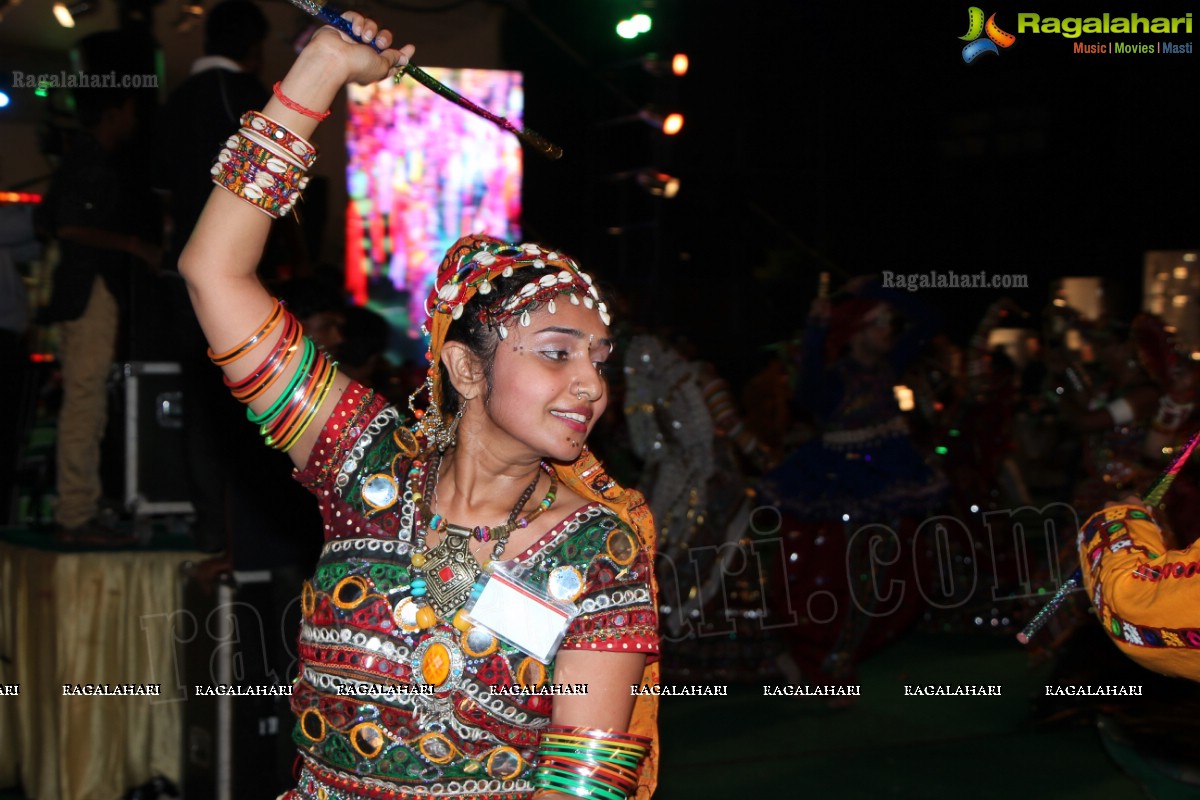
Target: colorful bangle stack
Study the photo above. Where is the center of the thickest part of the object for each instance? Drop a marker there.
(299, 151)
(589, 763)
(294, 410)
(290, 415)
(250, 388)
(265, 165)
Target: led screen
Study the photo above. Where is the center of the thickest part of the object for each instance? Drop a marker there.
(421, 172)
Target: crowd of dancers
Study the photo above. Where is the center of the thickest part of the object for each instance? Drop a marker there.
(874, 476)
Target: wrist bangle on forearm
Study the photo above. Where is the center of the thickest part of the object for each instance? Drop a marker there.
(265, 164)
(294, 106)
(295, 146)
(587, 762)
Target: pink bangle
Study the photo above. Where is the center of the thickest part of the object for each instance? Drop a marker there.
(294, 106)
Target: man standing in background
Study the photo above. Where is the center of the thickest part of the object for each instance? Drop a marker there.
(92, 209)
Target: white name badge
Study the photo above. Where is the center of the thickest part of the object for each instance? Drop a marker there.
(519, 614)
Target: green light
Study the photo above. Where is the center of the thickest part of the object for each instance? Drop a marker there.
(634, 26)
(941, 451)
(43, 89)
(955, 432)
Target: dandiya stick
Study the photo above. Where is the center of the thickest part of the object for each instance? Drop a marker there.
(1151, 498)
(332, 15)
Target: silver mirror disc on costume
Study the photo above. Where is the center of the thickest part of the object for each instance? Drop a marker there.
(479, 641)
(436, 748)
(380, 491)
(621, 547)
(565, 583)
(405, 615)
(504, 763)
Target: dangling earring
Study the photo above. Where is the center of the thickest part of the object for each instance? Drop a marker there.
(445, 436)
(428, 420)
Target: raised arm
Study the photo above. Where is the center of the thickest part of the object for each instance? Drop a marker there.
(1145, 594)
(220, 260)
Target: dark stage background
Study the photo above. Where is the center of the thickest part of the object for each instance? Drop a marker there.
(853, 138)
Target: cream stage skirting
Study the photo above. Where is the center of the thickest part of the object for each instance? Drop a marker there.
(78, 618)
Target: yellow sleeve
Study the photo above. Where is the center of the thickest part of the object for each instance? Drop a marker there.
(1147, 597)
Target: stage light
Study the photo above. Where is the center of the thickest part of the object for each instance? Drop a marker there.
(659, 184)
(67, 14)
(677, 64)
(634, 26)
(4, 99)
(669, 124)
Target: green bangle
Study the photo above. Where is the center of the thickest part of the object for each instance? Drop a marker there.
(599, 757)
(306, 362)
(309, 414)
(550, 778)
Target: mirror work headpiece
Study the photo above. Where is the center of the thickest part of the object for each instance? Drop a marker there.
(471, 267)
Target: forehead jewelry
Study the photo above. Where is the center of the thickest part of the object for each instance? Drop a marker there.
(469, 268)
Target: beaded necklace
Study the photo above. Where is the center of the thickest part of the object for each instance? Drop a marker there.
(447, 571)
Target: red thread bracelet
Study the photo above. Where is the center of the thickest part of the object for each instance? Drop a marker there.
(294, 106)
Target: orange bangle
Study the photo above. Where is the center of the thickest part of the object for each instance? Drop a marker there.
(294, 106)
(236, 352)
(261, 380)
(312, 413)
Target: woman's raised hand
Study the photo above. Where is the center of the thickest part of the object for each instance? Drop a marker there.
(361, 62)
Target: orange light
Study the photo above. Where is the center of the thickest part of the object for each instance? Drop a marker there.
(20, 197)
(679, 64)
(673, 124)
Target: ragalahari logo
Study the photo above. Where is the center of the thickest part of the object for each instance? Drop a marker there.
(976, 27)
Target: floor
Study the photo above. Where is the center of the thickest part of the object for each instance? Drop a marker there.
(747, 745)
(890, 745)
